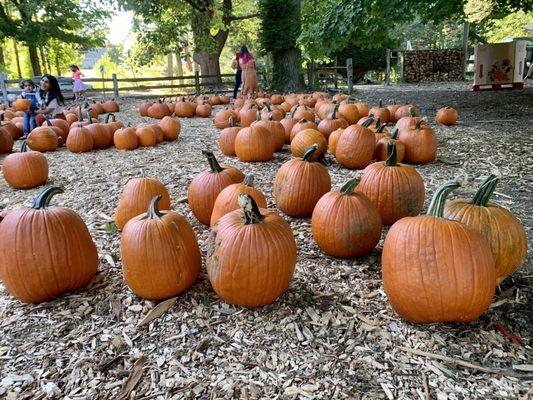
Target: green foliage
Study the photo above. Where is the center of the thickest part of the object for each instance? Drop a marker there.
(279, 32)
(509, 26)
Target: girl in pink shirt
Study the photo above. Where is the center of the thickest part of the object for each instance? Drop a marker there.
(79, 87)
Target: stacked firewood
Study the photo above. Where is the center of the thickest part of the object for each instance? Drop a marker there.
(433, 65)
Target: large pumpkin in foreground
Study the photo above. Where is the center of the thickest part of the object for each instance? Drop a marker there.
(503, 231)
(435, 269)
(46, 251)
(251, 255)
(160, 253)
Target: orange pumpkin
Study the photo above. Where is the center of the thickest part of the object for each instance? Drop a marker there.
(222, 118)
(277, 132)
(248, 114)
(25, 170)
(227, 137)
(43, 139)
(404, 111)
(254, 144)
(306, 138)
(420, 144)
(355, 147)
(349, 112)
(380, 153)
(6, 142)
(110, 106)
(381, 112)
(158, 110)
(143, 109)
(301, 125)
(79, 140)
(112, 123)
(303, 112)
(64, 126)
(102, 137)
(171, 128)
(334, 139)
(21, 105)
(147, 136)
(126, 139)
(184, 108)
(332, 123)
(203, 110)
(288, 123)
(410, 120)
(447, 116)
(10, 128)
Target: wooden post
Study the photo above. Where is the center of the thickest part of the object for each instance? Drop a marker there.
(349, 75)
(466, 30)
(3, 86)
(335, 73)
(400, 54)
(197, 82)
(115, 85)
(387, 71)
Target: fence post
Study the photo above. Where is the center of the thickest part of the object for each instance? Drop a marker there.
(466, 31)
(115, 86)
(335, 74)
(349, 75)
(197, 82)
(3, 86)
(387, 71)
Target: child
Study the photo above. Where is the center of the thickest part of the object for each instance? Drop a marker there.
(50, 98)
(79, 87)
(28, 92)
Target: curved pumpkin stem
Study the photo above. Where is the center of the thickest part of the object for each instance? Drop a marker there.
(395, 134)
(249, 180)
(380, 103)
(348, 188)
(43, 200)
(294, 112)
(369, 121)
(252, 215)
(153, 210)
(411, 112)
(23, 147)
(418, 125)
(380, 128)
(212, 160)
(436, 207)
(109, 116)
(392, 155)
(302, 121)
(335, 110)
(80, 115)
(231, 122)
(309, 152)
(485, 191)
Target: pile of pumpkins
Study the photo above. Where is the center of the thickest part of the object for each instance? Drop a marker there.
(184, 107)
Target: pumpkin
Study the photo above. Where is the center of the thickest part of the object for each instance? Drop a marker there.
(184, 108)
(102, 137)
(222, 118)
(326, 109)
(147, 136)
(392, 110)
(224, 99)
(435, 269)
(345, 223)
(404, 111)
(334, 139)
(288, 123)
(159, 134)
(43, 139)
(349, 112)
(380, 112)
(254, 144)
(277, 132)
(420, 144)
(227, 200)
(410, 120)
(10, 128)
(136, 197)
(171, 128)
(205, 187)
(227, 137)
(447, 116)
(504, 233)
(300, 183)
(248, 114)
(21, 105)
(98, 107)
(380, 131)
(143, 109)
(126, 139)
(46, 251)
(111, 106)
(276, 99)
(160, 253)
(251, 255)
(306, 138)
(355, 147)
(64, 126)
(303, 112)
(397, 190)
(25, 170)
(330, 124)
(158, 110)
(203, 110)
(79, 140)
(112, 123)
(301, 125)
(6, 142)
(380, 154)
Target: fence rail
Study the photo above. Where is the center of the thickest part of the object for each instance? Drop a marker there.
(192, 84)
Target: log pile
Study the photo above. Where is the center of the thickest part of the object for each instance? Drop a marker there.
(433, 65)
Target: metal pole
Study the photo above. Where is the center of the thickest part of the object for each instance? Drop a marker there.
(3, 86)
(387, 72)
(349, 75)
(115, 85)
(466, 30)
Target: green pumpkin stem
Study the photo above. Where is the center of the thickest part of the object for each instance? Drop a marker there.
(89, 119)
(23, 147)
(485, 191)
(380, 127)
(249, 180)
(108, 117)
(43, 200)
(392, 155)
(335, 110)
(80, 115)
(212, 160)
(395, 134)
(418, 125)
(411, 112)
(436, 207)
(153, 210)
(369, 121)
(231, 123)
(309, 152)
(252, 215)
(348, 188)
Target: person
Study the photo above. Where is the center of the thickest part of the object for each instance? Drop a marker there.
(78, 88)
(49, 97)
(238, 75)
(247, 64)
(28, 93)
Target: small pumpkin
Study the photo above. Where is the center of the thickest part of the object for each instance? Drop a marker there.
(345, 223)
(404, 111)
(171, 128)
(306, 138)
(380, 153)
(160, 253)
(6, 142)
(263, 244)
(254, 144)
(227, 200)
(410, 120)
(300, 183)
(158, 110)
(447, 116)
(420, 144)
(112, 123)
(303, 112)
(227, 137)
(276, 99)
(136, 197)
(25, 170)
(355, 146)
(64, 126)
(392, 110)
(203, 110)
(126, 138)
(277, 132)
(205, 187)
(43, 139)
(332, 123)
(102, 137)
(301, 125)
(248, 114)
(435, 269)
(21, 105)
(334, 139)
(288, 123)
(349, 112)
(222, 117)
(111, 106)
(147, 136)
(79, 140)
(184, 108)
(275, 112)
(46, 251)
(9, 127)
(381, 112)
(98, 107)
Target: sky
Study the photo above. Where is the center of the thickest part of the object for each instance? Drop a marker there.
(119, 28)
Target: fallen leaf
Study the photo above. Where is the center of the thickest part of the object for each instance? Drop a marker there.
(133, 378)
(157, 311)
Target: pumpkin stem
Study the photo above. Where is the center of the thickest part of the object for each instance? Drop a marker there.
(294, 111)
(380, 103)
(80, 115)
(212, 160)
(309, 152)
(436, 207)
(302, 121)
(335, 109)
(89, 119)
(395, 134)
(43, 200)
(252, 215)
(411, 112)
(249, 180)
(418, 125)
(109, 116)
(230, 122)
(380, 127)
(392, 155)
(487, 188)
(369, 121)
(23, 147)
(348, 188)
(153, 210)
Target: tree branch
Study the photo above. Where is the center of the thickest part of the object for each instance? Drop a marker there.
(239, 17)
(196, 6)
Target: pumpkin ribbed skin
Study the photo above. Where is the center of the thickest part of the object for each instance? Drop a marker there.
(158, 111)
(102, 137)
(306, 138)
(420, 144)
(326, 126)
(126, 139)
(355, 147)
(205, 188)
(184, 109)
(6, 142)
(203, 110)
(302, 125)
(350, 113)
(65, 128)
(147, 136)
(110, 106)
(302, 112)
(345, 225)
(227, 200)
(392, 110)
(447, 116)
(404, 111)
(288, 123)
(380, 112)
(136, 197)
(277, 132)
(380, 154)
(21, 105)
(160, 255)
(226, 140)
(25, 170)
(79, 140)
(254, 144)
(248, 114)
(171, 128)
(45, 253)
(222, 117)
(299, 184)
(42, 139)
(251, 264)
(334, 139)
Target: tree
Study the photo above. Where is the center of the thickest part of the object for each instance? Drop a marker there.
(280, 28)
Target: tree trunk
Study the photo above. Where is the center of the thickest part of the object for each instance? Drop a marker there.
(179, 64)
(170, 64)
(34, 59)
(188, 61)
(2, 59)
(209, 65)
(17, 59)
(43, 60)
(56, 62)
